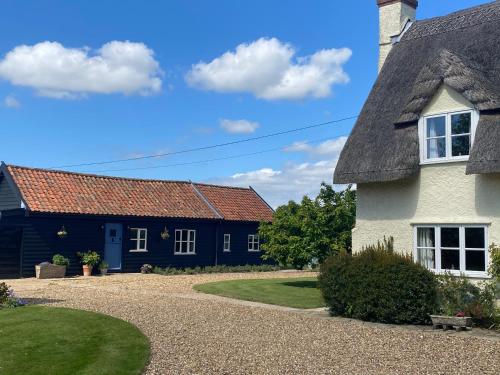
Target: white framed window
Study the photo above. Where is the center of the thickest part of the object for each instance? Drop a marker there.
(447, 137)
(185, 242)
(253, 242)
(139, 240)
(227, 242)
(458, 249)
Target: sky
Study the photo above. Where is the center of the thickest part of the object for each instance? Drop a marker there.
(85, 82)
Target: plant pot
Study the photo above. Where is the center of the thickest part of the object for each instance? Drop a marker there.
(104, 271)
(87, 270)
(50, 271)
(447, 322)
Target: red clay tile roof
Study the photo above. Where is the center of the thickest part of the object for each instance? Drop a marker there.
(236, 203)
(50, 191)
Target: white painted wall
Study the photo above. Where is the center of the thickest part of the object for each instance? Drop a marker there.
(440, 194)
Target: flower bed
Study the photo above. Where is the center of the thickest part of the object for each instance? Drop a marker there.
(8, 298)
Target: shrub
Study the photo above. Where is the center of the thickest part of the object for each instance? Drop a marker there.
(494, 268)
(89, 258)
(8, 298)
(60, 260)
(215, 269)
(103, 265)
(379, 286)
(146, 268)
(457, 295)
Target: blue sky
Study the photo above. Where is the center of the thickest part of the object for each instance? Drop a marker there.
(85, 81)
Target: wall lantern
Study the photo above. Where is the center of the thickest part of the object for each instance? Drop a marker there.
(164, 234)
(62, 232)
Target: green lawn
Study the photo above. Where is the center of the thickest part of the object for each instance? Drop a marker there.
(57, 341)
(298, 292)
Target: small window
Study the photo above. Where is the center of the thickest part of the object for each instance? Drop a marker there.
(185, 240)
(227, 242)
(253, 242)
(449, 248)
(447, 137)
(138, 239)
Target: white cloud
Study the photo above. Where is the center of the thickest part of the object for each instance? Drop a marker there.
(269, 69)
(292, 182)
(330, 147)
(238, 126)
(11, 102)
(60, 72)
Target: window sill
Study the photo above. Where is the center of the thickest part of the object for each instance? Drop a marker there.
(137, 251)
(470, 274)
(184, 253)
(226, 251)
(444, 161)
(254, 251)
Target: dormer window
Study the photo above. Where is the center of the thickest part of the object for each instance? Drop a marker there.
(447, 137)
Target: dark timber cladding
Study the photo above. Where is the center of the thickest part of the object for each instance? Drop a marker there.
(460, 50)
(104, 214)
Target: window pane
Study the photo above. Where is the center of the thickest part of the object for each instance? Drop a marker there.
(474, 238)
(427, 258)
(191, 235)
(184, 235)
(177, 235)
(177, 247)
(133, 233)
(474, 260)
(142, 244)
(425, 237)
(460, 124)
(436, 127)
(450, 259)
(450, 237)
(436, 148)
(142, 233)
(191, 247)
(460, 145)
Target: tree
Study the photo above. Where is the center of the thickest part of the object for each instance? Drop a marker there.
(309, 232)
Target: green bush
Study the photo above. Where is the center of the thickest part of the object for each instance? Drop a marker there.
(4, 293)
(494, 268)
(60, 260)
(215, 269)
(379, 286)
(456, 294)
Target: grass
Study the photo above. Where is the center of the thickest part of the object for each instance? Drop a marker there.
(60, 341)
(301, 293)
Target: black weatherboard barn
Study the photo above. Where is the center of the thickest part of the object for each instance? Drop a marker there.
(130, 222)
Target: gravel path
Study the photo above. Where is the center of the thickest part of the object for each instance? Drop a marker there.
(191, 334)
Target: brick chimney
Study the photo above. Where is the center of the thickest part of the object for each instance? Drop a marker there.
(394, 16)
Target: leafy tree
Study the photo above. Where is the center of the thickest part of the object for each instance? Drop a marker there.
(309, 232)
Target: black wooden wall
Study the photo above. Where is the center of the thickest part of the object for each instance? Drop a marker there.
(40, 241)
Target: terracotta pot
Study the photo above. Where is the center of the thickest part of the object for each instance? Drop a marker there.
(87, 270)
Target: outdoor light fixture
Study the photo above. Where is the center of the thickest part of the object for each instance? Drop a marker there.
(164, 234)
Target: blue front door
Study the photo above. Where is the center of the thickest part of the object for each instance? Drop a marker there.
(113, 246)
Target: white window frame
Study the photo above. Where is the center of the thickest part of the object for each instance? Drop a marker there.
(227, 243)
(138, 240)
(253, 239)
(422, 135)
(462, 249)
(190, 232)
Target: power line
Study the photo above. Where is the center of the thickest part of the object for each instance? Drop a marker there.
(205, 160)
(204, 147)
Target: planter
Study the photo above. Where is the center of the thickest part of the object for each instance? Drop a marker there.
(49, 271)
(87, 270)
(446, 322)
(104, 271)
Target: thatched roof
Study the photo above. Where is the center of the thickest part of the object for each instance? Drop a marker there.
(460, 50)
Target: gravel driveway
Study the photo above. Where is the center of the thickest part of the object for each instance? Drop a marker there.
(192, 333)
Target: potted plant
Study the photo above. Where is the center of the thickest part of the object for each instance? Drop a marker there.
(89, 259)
(103, 266)
(54, 270)
(146, 268)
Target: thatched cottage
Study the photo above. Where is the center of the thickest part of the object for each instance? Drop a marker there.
(425, 151)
